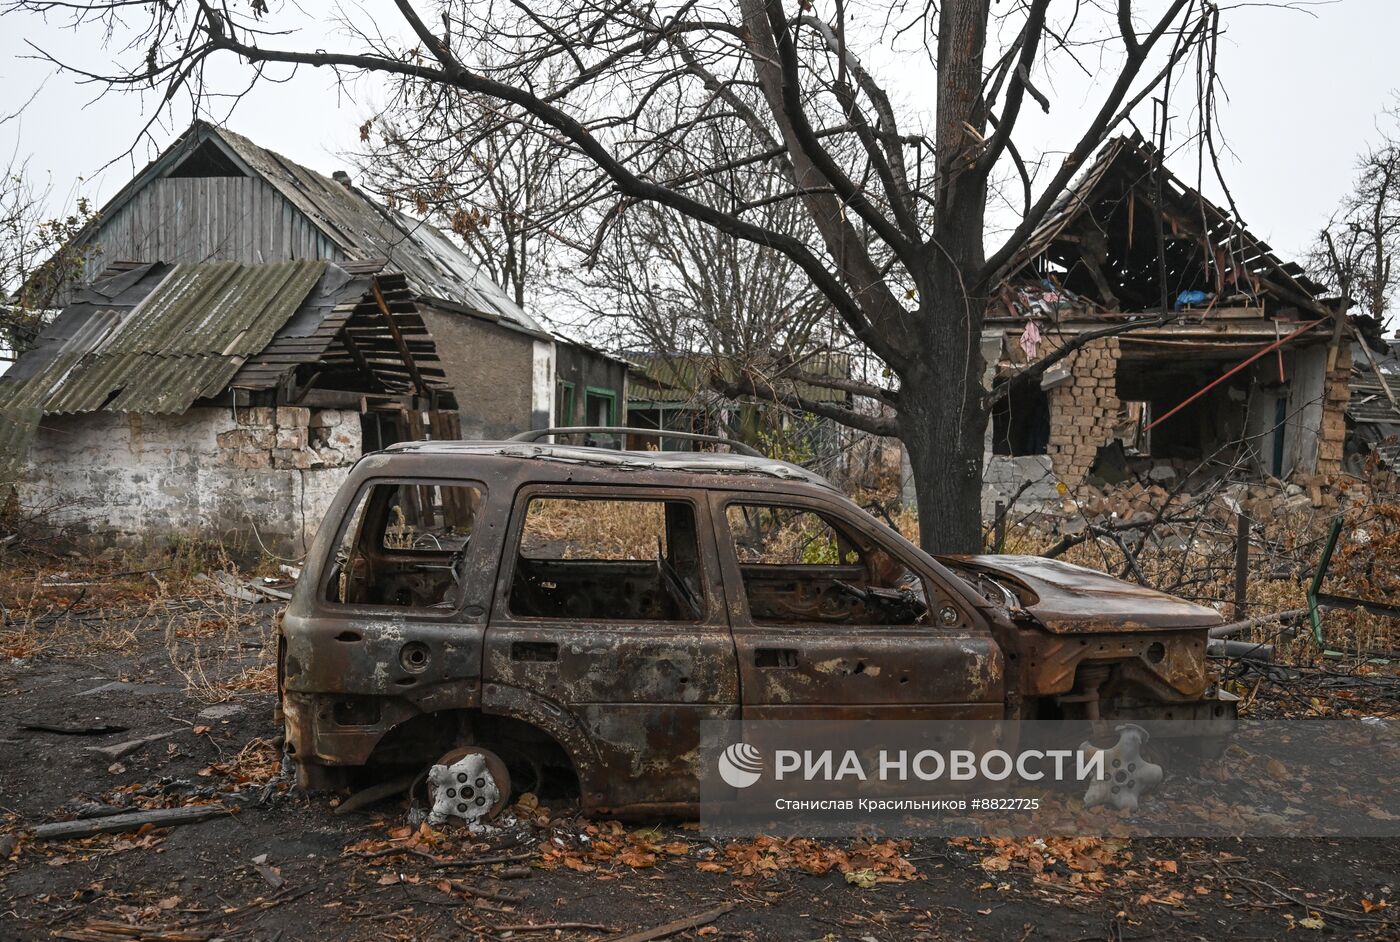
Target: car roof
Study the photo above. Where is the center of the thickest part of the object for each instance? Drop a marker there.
(687, 462)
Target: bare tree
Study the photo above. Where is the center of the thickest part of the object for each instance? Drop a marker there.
(1355, 252)
(898, 208)
(37, 264)
(743, 314)
(635, 275)
(494, 183)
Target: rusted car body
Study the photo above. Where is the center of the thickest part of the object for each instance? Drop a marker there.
(498, 630)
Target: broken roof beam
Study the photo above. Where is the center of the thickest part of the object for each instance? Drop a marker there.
(418, 384)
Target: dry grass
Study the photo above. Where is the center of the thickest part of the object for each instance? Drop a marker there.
(1197, 562)
(594, 529)
(72, 608)
(67, 607)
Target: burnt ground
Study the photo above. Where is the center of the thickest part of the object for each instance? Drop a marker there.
(367, 875)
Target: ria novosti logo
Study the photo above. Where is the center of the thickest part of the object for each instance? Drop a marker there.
(740, 765)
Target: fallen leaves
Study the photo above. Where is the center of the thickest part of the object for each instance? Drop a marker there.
(258, 763)
(1083, 862)
(884, 861)
(606, 847)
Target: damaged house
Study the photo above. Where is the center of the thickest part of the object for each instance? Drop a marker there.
(1374, 408)
(245, 329)
(1197, 350)
(217, 399)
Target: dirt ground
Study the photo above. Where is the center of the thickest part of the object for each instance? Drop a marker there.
(279, 866)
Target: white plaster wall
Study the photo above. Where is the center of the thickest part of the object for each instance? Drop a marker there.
(263, 478)
(1306, 370)
(542, 386)
(1305, 399)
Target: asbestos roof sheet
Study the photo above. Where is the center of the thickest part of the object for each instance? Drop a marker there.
(183, 341)
(1369, 403)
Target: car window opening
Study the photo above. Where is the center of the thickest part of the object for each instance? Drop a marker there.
(799, 568)
(406, 545)
(591, 559)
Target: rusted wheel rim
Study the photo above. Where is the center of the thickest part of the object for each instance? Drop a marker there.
(494, 765)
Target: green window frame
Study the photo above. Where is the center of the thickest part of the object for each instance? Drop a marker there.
(608, 394)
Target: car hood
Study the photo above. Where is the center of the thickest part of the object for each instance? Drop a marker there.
(1069, 599)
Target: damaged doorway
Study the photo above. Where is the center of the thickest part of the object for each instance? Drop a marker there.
(1021, 421)
(381, 428)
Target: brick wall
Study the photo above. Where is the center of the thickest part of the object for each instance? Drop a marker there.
(1083, 410)
(1336, 392)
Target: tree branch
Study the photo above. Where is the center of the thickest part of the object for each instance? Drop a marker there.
(1000, 390)
(1016, 91)
(745, 385)
(1110, 113)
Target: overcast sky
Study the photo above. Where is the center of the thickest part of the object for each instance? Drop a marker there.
(1305, 89)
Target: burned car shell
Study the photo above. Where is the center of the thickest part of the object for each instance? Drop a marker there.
(623, 702)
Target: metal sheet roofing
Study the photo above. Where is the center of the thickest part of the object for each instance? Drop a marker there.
(183, 341)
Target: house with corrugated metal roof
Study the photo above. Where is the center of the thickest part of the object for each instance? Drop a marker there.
(247, 328)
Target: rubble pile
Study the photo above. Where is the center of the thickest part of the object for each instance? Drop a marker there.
(1166, 492)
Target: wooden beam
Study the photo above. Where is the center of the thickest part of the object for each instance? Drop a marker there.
(160, 817)
(408, 360)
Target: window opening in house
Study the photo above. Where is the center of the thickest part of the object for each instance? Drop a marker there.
(564, 404)
(1021, 421)
(800, 568)
(1209, 427)
(1131, 427)
(600, 408)
(600, 559)
(406, 545)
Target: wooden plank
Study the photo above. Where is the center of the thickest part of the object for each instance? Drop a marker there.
(113, 824)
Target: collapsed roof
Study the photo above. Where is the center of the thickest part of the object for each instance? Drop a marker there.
(1127, 221)
(1374, 406)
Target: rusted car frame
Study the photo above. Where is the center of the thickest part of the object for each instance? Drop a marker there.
(616, 703)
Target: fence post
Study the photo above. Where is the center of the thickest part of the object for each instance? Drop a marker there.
(1241, 566)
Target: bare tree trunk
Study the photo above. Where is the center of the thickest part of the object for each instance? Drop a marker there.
(942, 420)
